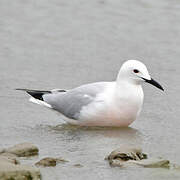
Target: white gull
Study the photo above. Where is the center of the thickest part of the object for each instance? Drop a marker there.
(115, 103)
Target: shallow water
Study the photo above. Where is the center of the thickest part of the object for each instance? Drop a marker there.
(62, 44)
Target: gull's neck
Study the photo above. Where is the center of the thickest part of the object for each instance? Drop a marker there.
(128, 88)
(129, 96)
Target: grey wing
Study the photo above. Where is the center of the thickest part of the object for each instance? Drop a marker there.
(70, 103)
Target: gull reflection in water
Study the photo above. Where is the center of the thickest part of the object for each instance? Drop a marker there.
(128, 134)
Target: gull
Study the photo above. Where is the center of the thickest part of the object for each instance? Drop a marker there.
(117, 103)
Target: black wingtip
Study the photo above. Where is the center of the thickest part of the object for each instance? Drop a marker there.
(19, 89)
(37, 94)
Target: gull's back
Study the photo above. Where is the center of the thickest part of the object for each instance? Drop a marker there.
(71, 102)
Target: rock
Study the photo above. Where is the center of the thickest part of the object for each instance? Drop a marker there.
(117, 163)
(126, 153)
(10, 171)
(127, 156)
(153, 163)
(78, 165)
(121, 156)
(9, 157)
(6, 159)
(23, 150)
(2, 150)
(48, 161)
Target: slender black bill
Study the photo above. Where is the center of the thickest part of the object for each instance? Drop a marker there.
(154, 83)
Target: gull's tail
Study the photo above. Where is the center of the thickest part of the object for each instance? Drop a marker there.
(37, 96)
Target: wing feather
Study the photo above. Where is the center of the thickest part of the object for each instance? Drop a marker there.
(70, 103)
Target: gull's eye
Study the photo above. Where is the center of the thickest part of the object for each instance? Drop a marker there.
(136, 71)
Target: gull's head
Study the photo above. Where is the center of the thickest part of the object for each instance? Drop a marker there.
(136, 72)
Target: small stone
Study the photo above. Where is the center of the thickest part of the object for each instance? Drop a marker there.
(127, 153)
(78, 165)
(23, 150)
(46, 162)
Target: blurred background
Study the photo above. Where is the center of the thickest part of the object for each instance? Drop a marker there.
(63, 44)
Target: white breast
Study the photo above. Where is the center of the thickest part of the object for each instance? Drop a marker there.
(112, 108)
